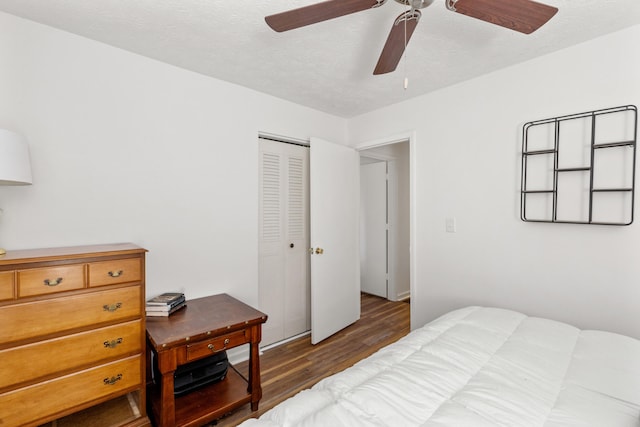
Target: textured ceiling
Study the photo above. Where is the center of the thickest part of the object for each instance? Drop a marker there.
(327, 66)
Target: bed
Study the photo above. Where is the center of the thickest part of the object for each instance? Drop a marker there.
(479, 367)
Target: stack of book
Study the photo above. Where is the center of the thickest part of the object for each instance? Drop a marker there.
(165, 304)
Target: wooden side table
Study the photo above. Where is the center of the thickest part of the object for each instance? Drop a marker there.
(206, 326)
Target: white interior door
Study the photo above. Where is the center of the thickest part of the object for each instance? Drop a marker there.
(284, 283)
(297, 292)
(334, 215)
(373, 226)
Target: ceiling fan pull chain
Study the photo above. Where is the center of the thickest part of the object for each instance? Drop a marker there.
(406, 78)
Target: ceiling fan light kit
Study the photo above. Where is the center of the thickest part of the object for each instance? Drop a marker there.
(416, 4)
(524, 16)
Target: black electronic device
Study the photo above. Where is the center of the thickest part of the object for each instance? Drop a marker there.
(193, 375)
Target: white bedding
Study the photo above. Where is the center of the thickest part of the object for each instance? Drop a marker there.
(479, 367)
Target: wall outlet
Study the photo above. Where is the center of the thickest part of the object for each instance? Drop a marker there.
(450, 224)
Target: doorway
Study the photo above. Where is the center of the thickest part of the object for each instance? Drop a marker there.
(374, 227)
(385, 220)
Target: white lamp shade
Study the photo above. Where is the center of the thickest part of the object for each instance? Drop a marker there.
(15, 167)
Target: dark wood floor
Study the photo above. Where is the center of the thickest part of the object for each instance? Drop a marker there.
(297, 365)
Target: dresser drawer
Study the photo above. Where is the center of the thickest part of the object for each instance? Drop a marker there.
(26, 363)
(31, 404)
(116, 271)
(40, 281)
(6, 285)
(56, 315)
(214, 345)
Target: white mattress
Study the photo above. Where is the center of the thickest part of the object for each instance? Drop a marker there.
(480, 367)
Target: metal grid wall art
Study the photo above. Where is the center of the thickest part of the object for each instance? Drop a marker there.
(580, 168)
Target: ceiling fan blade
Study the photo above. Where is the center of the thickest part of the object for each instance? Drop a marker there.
(319, 12)
(524, 16)
(397, 41)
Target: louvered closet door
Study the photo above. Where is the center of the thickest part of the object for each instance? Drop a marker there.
(284, 280)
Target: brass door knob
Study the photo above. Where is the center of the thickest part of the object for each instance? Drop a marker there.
(319, 251)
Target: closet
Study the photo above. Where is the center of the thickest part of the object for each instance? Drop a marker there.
(284, 265)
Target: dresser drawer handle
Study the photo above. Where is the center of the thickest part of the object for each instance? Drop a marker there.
(112, 380)
(213, 347)
(56, 282)
(112, 307)
(115, 273)
(112, 343)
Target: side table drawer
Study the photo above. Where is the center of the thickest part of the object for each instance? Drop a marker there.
(36, 318)
(117, 271)
(217, 344)
(40, 281)
(28, 362)
(29, 404)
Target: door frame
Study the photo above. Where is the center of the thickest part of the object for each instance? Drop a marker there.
(411, 137)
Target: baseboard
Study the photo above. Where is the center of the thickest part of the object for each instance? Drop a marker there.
(404, 296)
(284, 341)
(240, 354)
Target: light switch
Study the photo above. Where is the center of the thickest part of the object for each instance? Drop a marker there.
(450, 224)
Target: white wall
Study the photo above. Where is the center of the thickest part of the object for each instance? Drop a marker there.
(125, 148)
(467, 158)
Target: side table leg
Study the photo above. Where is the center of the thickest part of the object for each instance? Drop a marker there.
(254, 369)
(167, 406)
(167, 401)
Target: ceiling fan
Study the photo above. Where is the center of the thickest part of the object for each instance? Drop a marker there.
(524, 16)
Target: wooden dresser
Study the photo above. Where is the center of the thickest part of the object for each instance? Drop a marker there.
(72, 336)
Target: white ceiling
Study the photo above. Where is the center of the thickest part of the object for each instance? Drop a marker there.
(327, 66)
